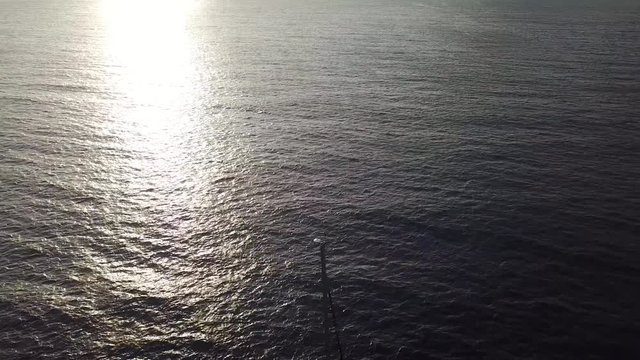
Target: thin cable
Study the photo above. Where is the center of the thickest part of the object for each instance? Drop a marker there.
(327, 291)
(335, 324)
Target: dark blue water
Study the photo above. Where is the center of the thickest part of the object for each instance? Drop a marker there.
(473, 165)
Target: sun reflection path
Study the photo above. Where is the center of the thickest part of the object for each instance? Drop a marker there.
(150, 61)
(150, 51)
(167, 158)
(151, 75)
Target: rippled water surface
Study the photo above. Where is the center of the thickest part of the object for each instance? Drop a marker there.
(474, 165)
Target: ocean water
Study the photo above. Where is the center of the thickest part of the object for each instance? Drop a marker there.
(473, 165)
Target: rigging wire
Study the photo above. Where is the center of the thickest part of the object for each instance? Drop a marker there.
(326, 292)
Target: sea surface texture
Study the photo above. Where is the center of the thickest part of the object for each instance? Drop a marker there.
(474, 167)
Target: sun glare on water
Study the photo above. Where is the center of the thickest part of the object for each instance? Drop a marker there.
(149, 64)
(149, 70)
(150, 52)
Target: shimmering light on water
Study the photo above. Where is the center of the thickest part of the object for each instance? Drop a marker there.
(165, 165)
(148, 54)
(151, 68)
(150, 57)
